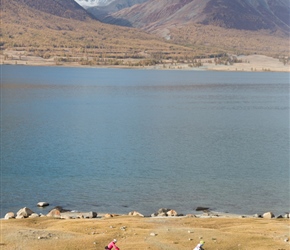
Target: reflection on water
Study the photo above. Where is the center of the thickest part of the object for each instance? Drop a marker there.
(120, 140)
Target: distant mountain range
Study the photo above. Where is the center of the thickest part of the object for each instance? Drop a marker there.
(230, 14)
(100, 9)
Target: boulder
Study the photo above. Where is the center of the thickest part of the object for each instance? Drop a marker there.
(268, 215)
(42, 204)
(171, 213)
(24, 213)
(135, 213)
(9, 215)
(54, 213)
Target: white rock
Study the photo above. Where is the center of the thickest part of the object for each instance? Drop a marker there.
(9, 215)
(135, 213)
(25, 212)
(42, 204)
(268, 215)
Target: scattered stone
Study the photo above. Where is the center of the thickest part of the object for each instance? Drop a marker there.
(66, 216)
(257, 216)
(165, 212)
(135, 213)
(286, 240)
(268, 215)
(9, 215)
(24, 212)
(153, 234)
(286, 216)
(78, 215)
(189, 232)
(123, 228)
(42, 204)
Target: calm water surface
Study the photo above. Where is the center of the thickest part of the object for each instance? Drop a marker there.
(111, 140)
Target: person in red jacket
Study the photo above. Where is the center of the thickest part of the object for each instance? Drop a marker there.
(112, 245)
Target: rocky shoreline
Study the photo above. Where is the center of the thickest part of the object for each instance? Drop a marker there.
(164, 229)
(61, 213)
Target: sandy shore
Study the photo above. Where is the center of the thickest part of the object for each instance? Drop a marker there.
(155, 233)
(250, 63)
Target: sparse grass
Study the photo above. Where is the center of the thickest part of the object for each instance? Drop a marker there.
(213, 39)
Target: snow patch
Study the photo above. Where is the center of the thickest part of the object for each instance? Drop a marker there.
(93, 3)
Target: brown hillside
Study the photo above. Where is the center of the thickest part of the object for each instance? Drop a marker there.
(48, 34)
(61, 8)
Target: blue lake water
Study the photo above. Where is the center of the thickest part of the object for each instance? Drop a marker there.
(117, 140)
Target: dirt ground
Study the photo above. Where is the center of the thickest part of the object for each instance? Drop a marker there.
(145, 233)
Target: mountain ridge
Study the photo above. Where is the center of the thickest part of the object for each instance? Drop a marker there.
(62, 27)
(234, 14)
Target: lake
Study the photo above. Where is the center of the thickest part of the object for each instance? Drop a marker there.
(117, 140)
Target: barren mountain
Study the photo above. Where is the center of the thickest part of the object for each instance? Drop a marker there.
(234, 14)
(242, 26)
